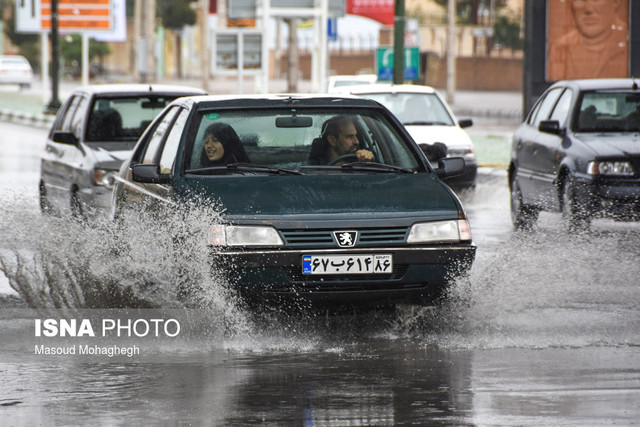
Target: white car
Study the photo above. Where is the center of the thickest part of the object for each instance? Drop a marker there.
(428, 119)
(15, 70)
(343, 84)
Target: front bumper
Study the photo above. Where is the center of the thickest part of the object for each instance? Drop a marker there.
(96, 200)
(420, 274)
(610, 198)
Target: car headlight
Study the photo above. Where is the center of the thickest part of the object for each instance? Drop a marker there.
(244, 235)
(610, 168)
(104, 177)
(440, 232)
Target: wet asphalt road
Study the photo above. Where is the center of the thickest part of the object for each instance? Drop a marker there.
(545, 331)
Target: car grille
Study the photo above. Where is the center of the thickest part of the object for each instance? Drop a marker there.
(324, 238)
(295, 274)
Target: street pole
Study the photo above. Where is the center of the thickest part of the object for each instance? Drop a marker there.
(451, 51)
(54, 104)
(204, 42)
(398, 43)
(292, 58)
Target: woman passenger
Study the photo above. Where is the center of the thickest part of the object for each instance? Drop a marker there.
(222, 146)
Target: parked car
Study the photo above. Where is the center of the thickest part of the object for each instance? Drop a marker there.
(94, 131)
(297, 222)
(578, 152)
(428, 118)
(15, 70)
(343, 83)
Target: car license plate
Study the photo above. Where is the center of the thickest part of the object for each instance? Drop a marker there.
(347, 264)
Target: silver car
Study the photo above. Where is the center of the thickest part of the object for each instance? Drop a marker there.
(94, 131)
(15, 70)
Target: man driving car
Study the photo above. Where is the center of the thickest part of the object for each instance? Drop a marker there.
(338, 144)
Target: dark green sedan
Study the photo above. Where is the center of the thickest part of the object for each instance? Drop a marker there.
(321, 198)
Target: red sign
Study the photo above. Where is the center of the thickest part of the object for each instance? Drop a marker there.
(379, 10)
(78, 15)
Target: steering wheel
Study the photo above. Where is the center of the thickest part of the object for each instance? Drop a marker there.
(348, 156)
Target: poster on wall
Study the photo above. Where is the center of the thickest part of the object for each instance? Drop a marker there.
(587, 39)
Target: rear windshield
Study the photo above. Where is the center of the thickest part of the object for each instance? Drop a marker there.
(295, 139)
(608, 111)
(414, 108)
(123, 118)
(14, 62)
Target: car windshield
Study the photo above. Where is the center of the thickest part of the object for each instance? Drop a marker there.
(608, 111)
(414, 108)
(285, 141)
(123, 118)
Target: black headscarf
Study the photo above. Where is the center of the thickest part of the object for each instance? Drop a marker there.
(233, 149)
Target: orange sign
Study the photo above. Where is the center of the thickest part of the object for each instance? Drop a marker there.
(78, 15)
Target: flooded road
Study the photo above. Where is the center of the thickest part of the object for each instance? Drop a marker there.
(545, 331)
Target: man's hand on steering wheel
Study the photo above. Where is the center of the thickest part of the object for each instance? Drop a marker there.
(365, 156)
(358, 156)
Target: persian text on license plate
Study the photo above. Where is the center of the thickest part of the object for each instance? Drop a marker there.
(347, 264)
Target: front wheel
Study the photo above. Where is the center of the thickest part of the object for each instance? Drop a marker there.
(77, 210)
(45, 205)
(574, 213)
(523, 216)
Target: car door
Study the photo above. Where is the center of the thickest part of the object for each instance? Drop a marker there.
(166, 128)
(550, 151)
(60, 160)
(527, 145)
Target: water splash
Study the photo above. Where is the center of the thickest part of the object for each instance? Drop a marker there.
(150, 259)
(547, 288)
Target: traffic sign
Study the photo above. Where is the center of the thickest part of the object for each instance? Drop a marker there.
(384, 63)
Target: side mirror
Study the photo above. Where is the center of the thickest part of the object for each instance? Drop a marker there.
(451, 166)
(148, 173)
(435, 151)
(465, 123)
(64, 137)
(551, 126)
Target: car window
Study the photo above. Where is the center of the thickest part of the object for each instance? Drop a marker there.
(173, 142)
(158, 135)
(77, 120)
(123, 118)
(561, 110)
(608, 111)
(66, 120)
(292, 139)
(546, 106)
(415, 108)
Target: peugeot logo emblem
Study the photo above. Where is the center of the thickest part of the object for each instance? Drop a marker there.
(346, 239)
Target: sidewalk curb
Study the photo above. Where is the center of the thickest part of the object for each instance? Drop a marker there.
(43, 121)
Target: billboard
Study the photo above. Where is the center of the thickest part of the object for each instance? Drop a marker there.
(73, 16)
(587, 39)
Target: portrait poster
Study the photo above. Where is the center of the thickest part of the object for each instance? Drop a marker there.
(587, 39)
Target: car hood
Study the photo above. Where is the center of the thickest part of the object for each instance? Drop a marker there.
(109, 159)
(363, 194)
(452, 136)
(612, 145)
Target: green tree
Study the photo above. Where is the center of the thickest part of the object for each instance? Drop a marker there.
(71, 50)
(469, 10)
(174, 15)
(506, 32)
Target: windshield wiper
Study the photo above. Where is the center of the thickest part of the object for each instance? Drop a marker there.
(424, 123)
(242, 167)
(359, 167)
(374, 167)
